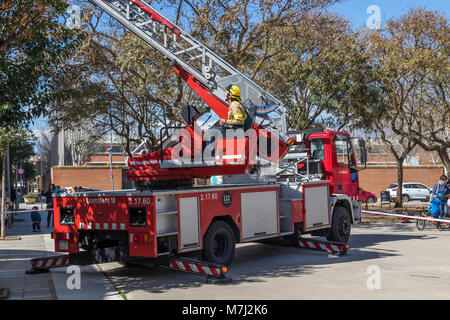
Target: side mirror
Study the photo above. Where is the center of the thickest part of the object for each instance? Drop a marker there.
(362, 150)
(360, 144)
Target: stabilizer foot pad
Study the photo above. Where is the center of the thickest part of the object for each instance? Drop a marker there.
(214, 280)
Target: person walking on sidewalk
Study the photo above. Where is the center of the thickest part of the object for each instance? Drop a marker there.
(49, 200)
(36, 219)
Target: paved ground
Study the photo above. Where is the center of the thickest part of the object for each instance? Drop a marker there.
(15, 258)
(411, 264)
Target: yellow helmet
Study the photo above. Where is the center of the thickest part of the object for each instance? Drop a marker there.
(234, 91)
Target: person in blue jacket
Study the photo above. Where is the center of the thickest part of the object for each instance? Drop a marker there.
(435, 208)
(441, 188)
(36, 219)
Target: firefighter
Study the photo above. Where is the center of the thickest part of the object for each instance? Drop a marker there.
(236, 111)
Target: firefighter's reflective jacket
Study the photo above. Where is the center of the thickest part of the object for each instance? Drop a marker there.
(236, 114)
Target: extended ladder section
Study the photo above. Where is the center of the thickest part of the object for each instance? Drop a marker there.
(185, 52)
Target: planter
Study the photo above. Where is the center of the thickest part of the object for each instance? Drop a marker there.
(29, 200)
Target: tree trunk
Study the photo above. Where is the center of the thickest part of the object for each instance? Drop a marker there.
(2, 235)
(443, 154)
(398, 200)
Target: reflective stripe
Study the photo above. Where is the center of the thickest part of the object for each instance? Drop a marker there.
(240, 115)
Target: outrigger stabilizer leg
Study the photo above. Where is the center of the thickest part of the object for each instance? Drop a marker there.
(311, 244)
(214, 273)
(42, 265)
(321, 245)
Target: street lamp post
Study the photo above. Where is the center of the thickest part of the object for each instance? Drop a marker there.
(110, 163)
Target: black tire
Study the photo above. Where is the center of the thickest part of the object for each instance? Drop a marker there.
(370, 200)
(405, 198)
(219, 244)
(340, 225)
(420, 224)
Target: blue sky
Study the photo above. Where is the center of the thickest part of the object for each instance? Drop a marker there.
(356, 10)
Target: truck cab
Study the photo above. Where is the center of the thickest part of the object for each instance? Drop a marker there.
(328, 156)
(334, 151)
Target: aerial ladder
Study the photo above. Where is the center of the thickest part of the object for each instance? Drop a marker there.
(208, 75)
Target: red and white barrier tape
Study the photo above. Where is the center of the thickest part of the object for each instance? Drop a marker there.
(404, 216)
(194, 267)
(27, 210)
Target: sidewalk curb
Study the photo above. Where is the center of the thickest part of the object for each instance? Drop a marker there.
(4, 293)
(9, 238)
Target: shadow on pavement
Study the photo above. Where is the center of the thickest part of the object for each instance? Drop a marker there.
(256, 262)
(22, 224)
(253, 263)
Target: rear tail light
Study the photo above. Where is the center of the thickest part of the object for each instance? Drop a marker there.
(394, 189)
(140, 238)
(61, 235)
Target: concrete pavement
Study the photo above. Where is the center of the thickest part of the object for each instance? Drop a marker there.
(15, 258)
(386, 260)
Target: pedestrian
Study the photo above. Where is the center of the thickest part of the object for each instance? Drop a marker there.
(13, 197)
(36, 219)
(49, 201)
(441, 188)
(448, 197)
(8, 207)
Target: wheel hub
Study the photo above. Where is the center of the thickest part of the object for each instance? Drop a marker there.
(344, 224)
(218, 245)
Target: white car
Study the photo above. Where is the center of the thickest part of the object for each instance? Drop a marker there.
(411, 191)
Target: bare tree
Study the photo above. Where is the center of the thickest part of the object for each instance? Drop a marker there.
(126, 86)
(400, 147)
(411, 55)
(82, 142)
(44, 148)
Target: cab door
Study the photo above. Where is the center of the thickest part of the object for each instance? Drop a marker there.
(345, 170)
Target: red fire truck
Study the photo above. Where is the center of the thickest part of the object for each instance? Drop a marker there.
(132, 224)
(307, 183)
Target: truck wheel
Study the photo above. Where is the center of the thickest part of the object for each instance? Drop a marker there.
(340, 225)
(219, 244)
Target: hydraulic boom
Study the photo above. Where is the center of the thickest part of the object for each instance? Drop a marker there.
(208, 75)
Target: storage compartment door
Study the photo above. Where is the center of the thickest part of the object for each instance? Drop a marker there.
(189, 224)
(317, 207)
(259, 214)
